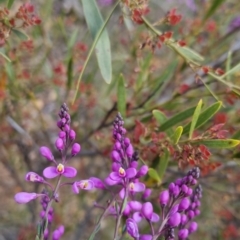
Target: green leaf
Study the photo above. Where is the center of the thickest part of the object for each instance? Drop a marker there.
(121, 94)
(154, 175)
(188, 53)
(213, 8)
(161, 118)
(69, 72)
(195, 118)
(10, 3)
(232, 71)
(5, 56)
(103, 49)
(177, 134)
(236, 134)
(163, 164)
(177, 119)
(218, 143)
(22, 36)
(204, 116)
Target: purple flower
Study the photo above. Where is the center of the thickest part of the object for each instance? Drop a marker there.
(24, 197)
(98, 183)
(52, 172)
(122, 173)
(46, 152)
(83, 184)
(234, 24)
(72, 134)
(135, 205)
(145, 237)
(132, 228)
(33, 177)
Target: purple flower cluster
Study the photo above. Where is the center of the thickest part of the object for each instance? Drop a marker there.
(64, 143)
(179, 205)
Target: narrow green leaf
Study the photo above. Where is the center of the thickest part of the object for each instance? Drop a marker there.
(69, 73)
(177, 119)
(161, 118)
(188, 53)
(10, 3)
(21, 35)
(154, 175)
(213, 8)
(177, 134)
(232, 71)
(121, 94)
(103, 49)
(163, 164)
(195, 118)
(6, 57)
(228, 64)
(218, 143)
(204, 116)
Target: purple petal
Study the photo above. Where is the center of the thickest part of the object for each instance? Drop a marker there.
(69, 172)
(145, 237)
(136, 187)
(98, 183)
(75, 188)
(122, 193)
(137, 216)
(50, 172)
(155, 217)
(131, 172)
(75, 149)
(135, 205)
(110, 182)
(24, 197)
(115, 176)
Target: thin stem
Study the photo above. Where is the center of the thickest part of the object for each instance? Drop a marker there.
(92, 49)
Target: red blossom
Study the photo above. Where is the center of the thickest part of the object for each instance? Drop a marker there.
(172, 18)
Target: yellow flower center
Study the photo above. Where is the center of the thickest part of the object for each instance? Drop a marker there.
(131, 186)
(60, 168)
(121, 171)
(84, 185)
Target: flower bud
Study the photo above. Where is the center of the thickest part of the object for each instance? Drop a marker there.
(147, 193)
(132, 228)
(184, 204)
(192, 227)
(174, 220)
(33, 177)
(129, 150)
(66, 128)
(183, 233)
(72, 134)
(62, 134)
(143, 171)
(75, 149)
(46, 152)
(24, 197)
(184, 219)
(164, 198)
(117, 145)
(115, 156)
(59, 144)
(147, 210)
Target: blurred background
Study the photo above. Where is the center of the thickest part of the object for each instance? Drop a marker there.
(46, 60)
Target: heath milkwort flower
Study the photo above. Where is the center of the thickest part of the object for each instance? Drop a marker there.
(64, 143)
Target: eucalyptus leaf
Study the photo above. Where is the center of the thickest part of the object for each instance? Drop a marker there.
(215, 5)
(21, 35)
(195, 118)
(154, 175)
(177, 134)
(218, 143)
(103, 49)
